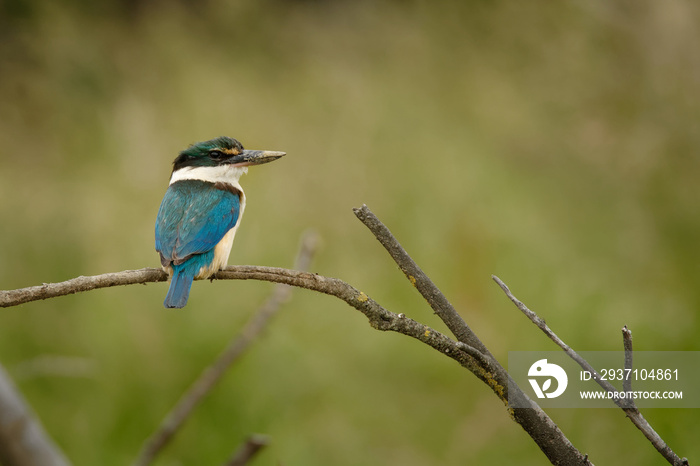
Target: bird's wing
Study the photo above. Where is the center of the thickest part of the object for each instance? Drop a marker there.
(193, 217)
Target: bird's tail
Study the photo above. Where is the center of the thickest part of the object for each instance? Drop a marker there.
(179, 289)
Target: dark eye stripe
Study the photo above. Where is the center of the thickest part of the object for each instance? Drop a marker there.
(216, 154)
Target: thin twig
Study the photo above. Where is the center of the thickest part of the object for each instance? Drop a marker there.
(212, 374)
(632, 413)
(248, 450)
(540, 323)
(476, 354)
(627, 344)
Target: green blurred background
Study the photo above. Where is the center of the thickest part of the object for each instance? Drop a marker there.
(552, 144)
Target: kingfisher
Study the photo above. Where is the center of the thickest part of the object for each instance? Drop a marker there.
(201, 211)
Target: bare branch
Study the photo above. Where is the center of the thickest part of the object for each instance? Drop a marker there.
(627, 344)
(540, 323)
(632, 413)
(213, 374)
(430, 292)
(23, 441)
(51, 290)
(531, 315)
(379, 317)
(481, 362)
(248, 450)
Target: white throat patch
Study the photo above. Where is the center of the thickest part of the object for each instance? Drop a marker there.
(219, 174)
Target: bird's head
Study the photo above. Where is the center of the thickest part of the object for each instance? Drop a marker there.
(222, 151)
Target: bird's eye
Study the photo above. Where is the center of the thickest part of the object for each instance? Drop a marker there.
(216, 154)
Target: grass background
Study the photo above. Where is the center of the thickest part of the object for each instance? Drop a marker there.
(555, 145)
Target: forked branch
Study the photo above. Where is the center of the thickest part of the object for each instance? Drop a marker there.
(468, 351)
(629, 408)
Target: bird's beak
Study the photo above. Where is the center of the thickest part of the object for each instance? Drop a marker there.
(254, 157)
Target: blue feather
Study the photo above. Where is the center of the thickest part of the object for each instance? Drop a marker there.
(183, 275)
(193, 217)
(179, 290)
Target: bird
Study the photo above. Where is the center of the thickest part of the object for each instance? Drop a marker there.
(201, 211)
